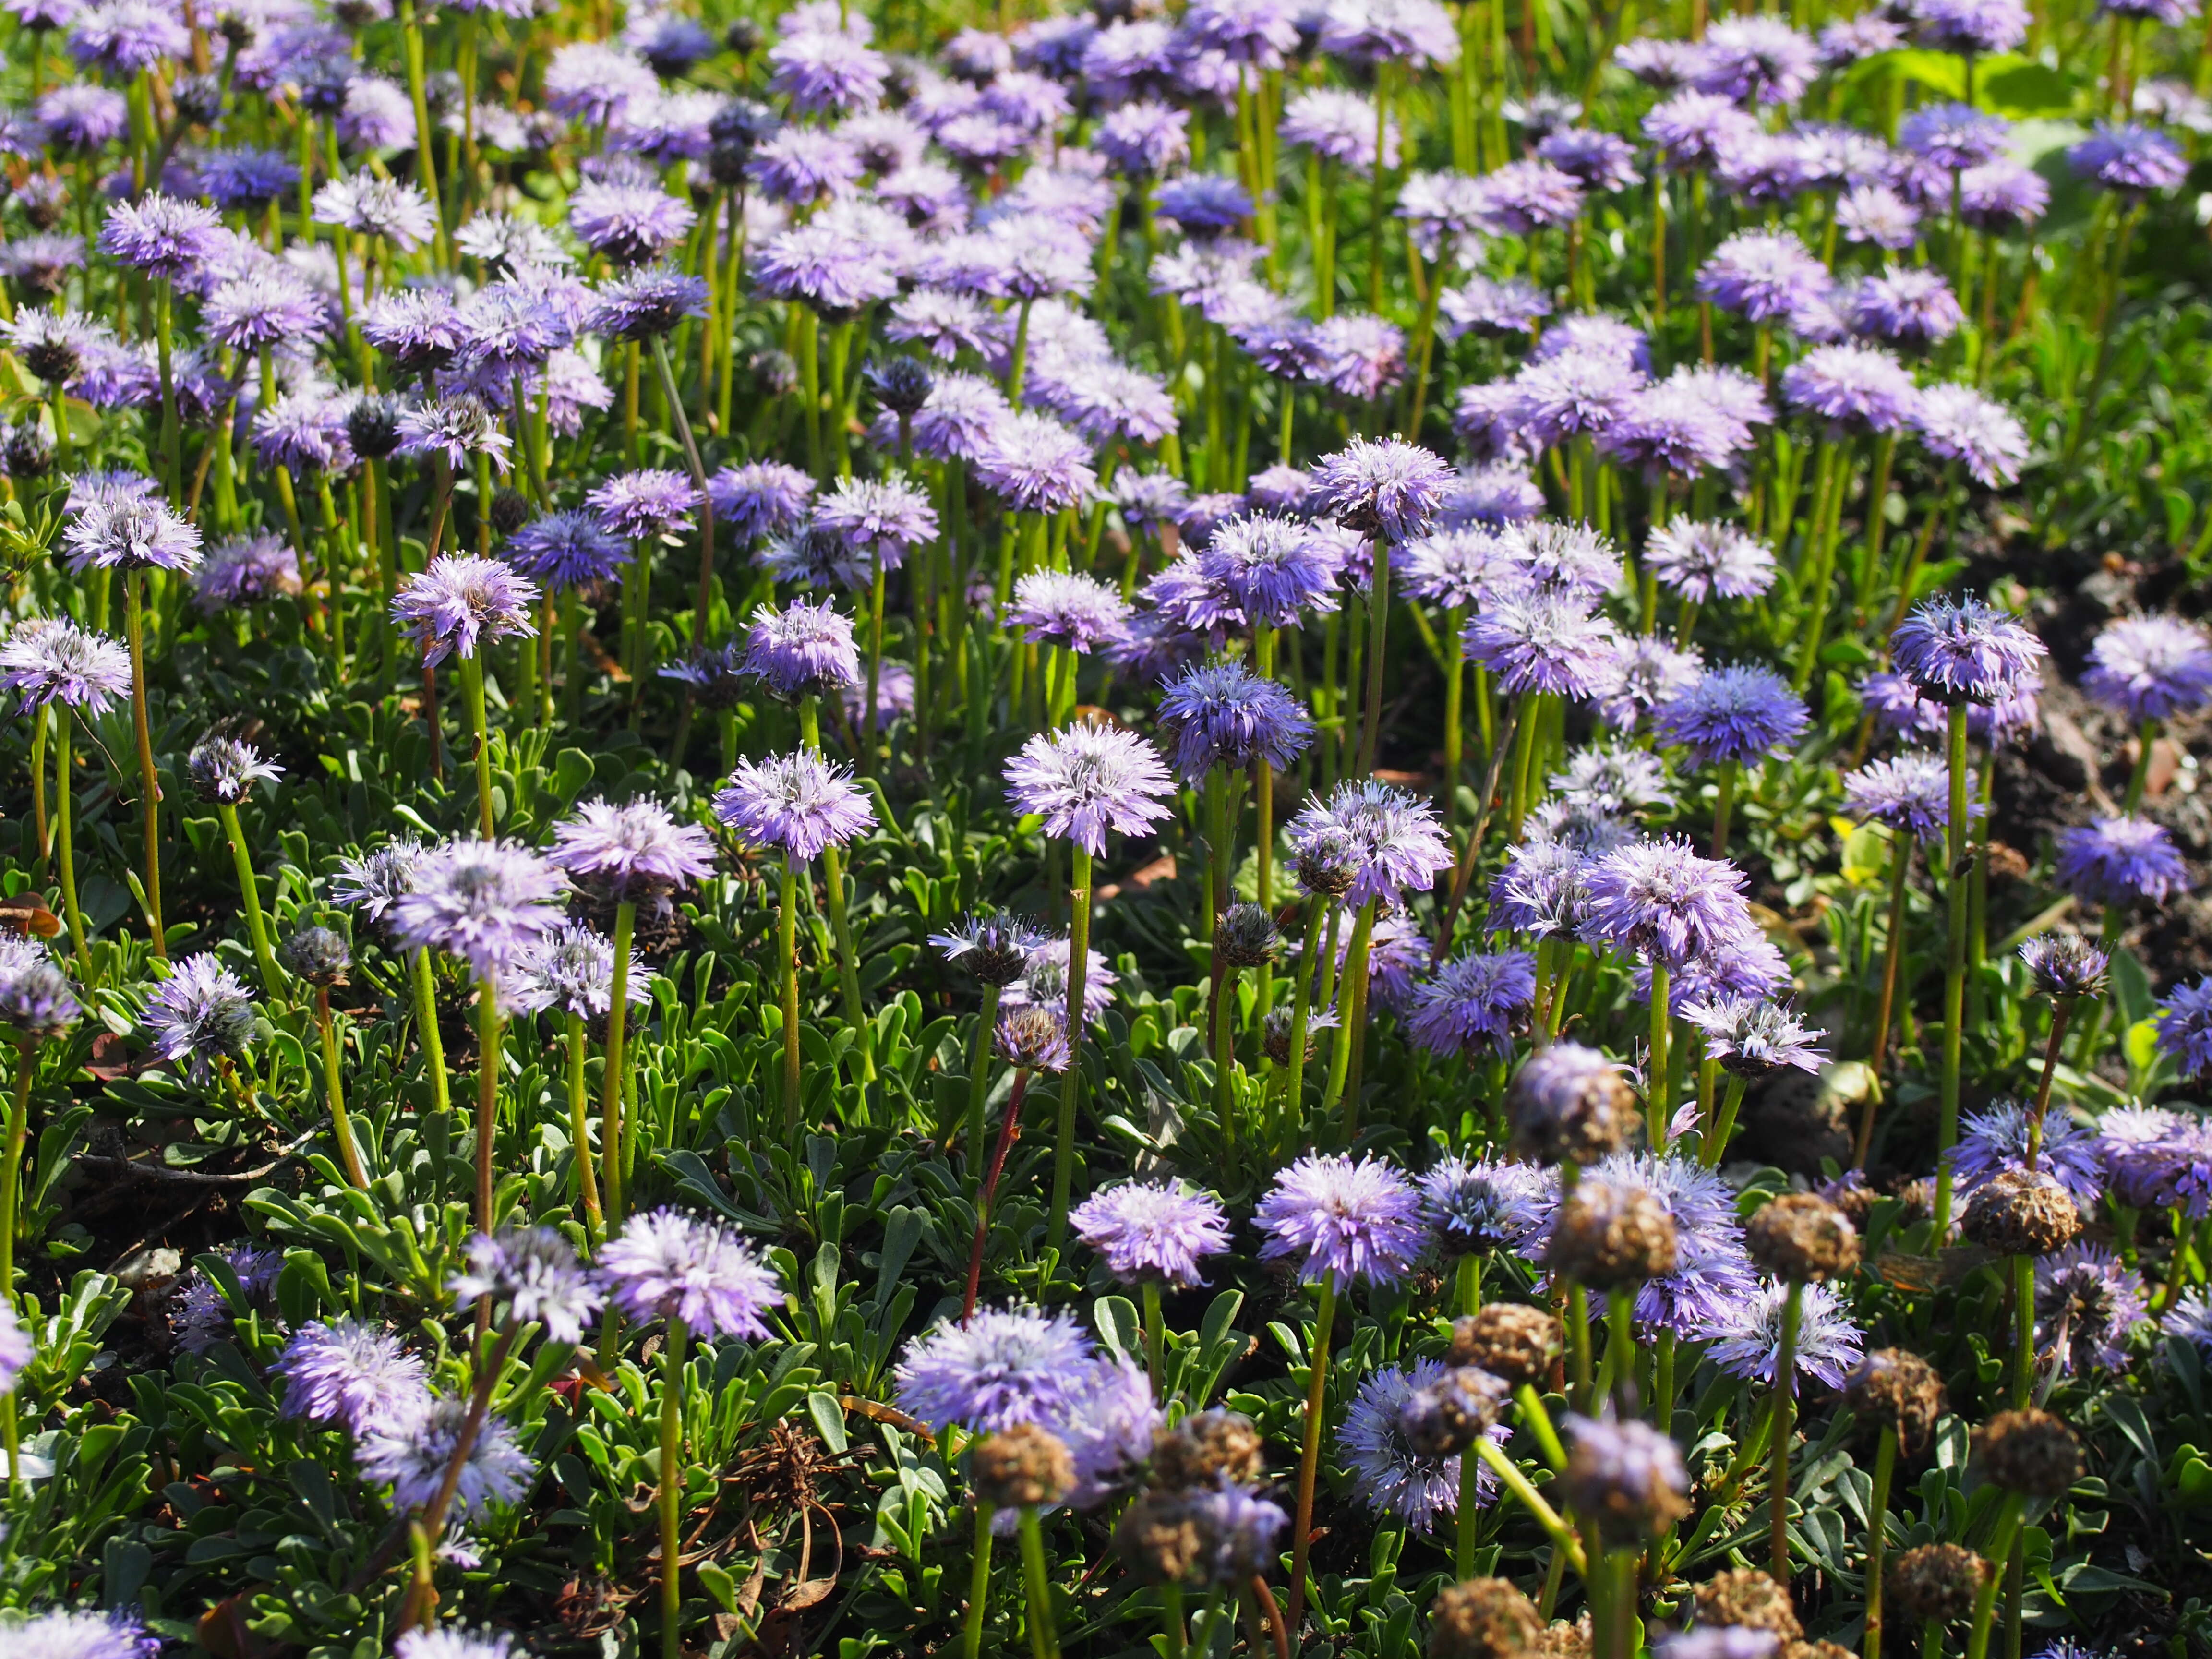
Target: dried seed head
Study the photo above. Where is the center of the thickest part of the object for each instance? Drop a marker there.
(1802, 1239)
(1158, 1537)
(1562, 1640)
(1935, 1581)
(373, 428)
(1275, 1036)
(1749, 1599)
(1508, 1340)
(1328, 865)
(1483, 1619)
(2030, 1452)
(1451, 1413)
(1022, 1468)
(1895, 1388)
(1246, 936)
(1812, 1650)
(2021, 1212)
(1606, 1236)
(1202, 1449)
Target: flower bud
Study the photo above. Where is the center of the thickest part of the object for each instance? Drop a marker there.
(1204, 1448)
(1451, 1413)
(373, 428)
(27, 452)
(902, 384)
(510, 511)
(319, 956)
(1245, 936)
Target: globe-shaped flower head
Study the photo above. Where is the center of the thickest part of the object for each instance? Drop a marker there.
(798, 803)
(803, 650)
(37, 1000)
(1223, 715)
(1149, 1231)
(1004, 1366)
(131, 533)
(483, 900)
(1389, 489)
(668, 1265)
(633, 851)
(1739, 715)
(2120, 861)
(1965, 651)
(200, 1014)
(1390, 838)
(1064, 607)
(1343, 1220)
(57, 662)
(1085, 779)
(461, 604)
(2146, 667)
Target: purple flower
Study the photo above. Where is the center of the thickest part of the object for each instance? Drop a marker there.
(417, 329)
(1978, 26)
(2184, 1027)
(1482, 306)
(1032, 463)
(1747, 1341)
(1711, 1275)
(375, 882)
(1910, 304)
(1580, 392)
(1475, 1002)
(802, 650)
(825, 268)
(1614, 778)
(1392, 1478)
(1086, 779)
(222, 769)
(535, 1271)
(1223, 715)
(2129, 158)
(2191, 1320)
(669, 1265)
(483, 900)
(1955, 137)
(646, 503)
(37, 1001)
(1259, 33)
(1108, 1426)
(2120, 861)
(122, 38)
(1389, 489)
(641, 305)
(1144, 139)
(1524, 197)
(1338, 125)
(1957, 423)
(1700, 560)
(202, 1013)
(804, 165)
(459, 428)
(1851, 387)
(1202, 204)
(571, 970)
(2136, 1145)
(566, 549)
(131, 533)
(1657, 62)
(1754, 59)
(1692, 129)
(1276, 569)
(1416, 32)
(629, 217)
(1153, 1232)
(1004, 1366)
(1495, 495)
(411, 1453)
(400, 212)
(636, 850)
(1065, 608)
(880, 517)
(761, 498)
(2151, 667)
(1043, 982)
(1875, 215)
(1741, 714)
(799, 803)
(1456, 568)
(2002, 196)
(462, 604)
(83, 119)
(49, 662)
(1542, 642)
(306, 433)
(1660, 898)
(1764, 274)
(1750, 1036)
(592, 80)
(825, 72)
(1964, 650)
(1644, 673)
(1342, 1220)
(1995, 1140)
(348, 1374)
(1912, 794)
(1599, 162)
(2088, 1302)
(1391, 838)
(1672, 430)
(1481, 1204)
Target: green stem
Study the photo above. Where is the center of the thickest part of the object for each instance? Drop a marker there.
(1657, 1105)
(1310, 1450)
(1044, 1636)
(66, 837)
(786, 951)
(1378, 628)
(1986, 1602)
(579, 1131)
(1724, 797)
(257, 925)
(1954, 964)
(426, 1016)
(472, 687)
(1352, 1003)
(979, 1586)
(149, 784)
(340, 1125)
(672, 1490)
(1155, 1339)
(1784, 1406)
(490, 1035)
(1885, 1468)
(621, 1126)
(1071, 1085)
(2023, 1351)
(1509, 1475)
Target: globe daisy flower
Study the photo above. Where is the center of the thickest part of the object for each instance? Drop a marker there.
(200, 1014)
(802, 650)
(486, 902)
(461, 604)
(637, 850)
(1223, 715)
(1746, 1342)
(1393, 1477)
(1738, 715)
(2150, 667)
(1151, 1232)
(1475, 1002)
(57, 662)
(1004, 1366)
(1087, 779)
(2120, 861)
(348, 1374)
(411, 1453)
(667, 1266)
(798, 803)
(1965, 651)
(1342, 1222)
(1391, 837)
(570, 970)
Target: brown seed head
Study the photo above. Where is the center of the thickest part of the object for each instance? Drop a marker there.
(1203, 1448)
(1812, 1650)
(2021, 1212)
(1935, 1581)
(1508, 1340)
(1802, 1239)
(2030, 1452)
(1449, 1415)
(1896, 1388)
(1749, 1600)
(1483, 1619)
(1606, 1236)
(1022, 1468)
(1562, 1640)
(1158, 1537)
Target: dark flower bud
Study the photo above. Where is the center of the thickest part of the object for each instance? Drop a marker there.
(1158, 1537)
(2021, 1212)
(441, 90)
(997, 950)
(43, 199)
(373, 428)
(37, 1000)
(726, 164)
(1483, 1619)
(1608, 1238)
(2065, 965)
(1935, 1581)
(319, 956)
(1275, 1036)
(1747, 1599)
(237, 32)
(743, 124)
(53, 358)
(510, 511)
(1569, 1104)
(743, 37)
(774, 373)
(323, 85)
(1328, 865)
(1451, 1413)
(1896, 1388)
(1508, 1340)
(2030, 1452)
(1032, 1039)
(199, 99)
(542, 130)
(1110, 12)
(1206, 1448)
(27, 452)
(902, 384)
(1245, 936)
(356, 14)
(1024, 1468)
(1802, 1238)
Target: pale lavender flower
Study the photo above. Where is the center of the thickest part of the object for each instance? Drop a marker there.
(1107, 1428)
(1150, 1231)
(400, 212)
(131, 533)
(483, 900)
(201, 1013)
(1456, 568)
(1853, 388)
(1006, 1366)
(1087, 779)
(1493, 496)
(645, 502)
(1910, 304)
(1579, 393)
(224, 770)
(1600, 161)
(1662, 898)
(350, 1375)
(1043, 982)
(827, 73)
(1341, 1220)
(642, 305)
(374, 883)
(1700, 560)
(267, 308)
(2146, 667)
(1032, 463)
(799, 803)
(1542, 642)
(2184, 1027)
(802, 650)
(1390, 488)
(1484, 306)
(2120, 861)
(805, 165)
(2134, 1144)
(1394, 1478)
(1067, 608)
(1957, 423)
(411, 1454)
(1692, 129)
(534, 1270)
(2129, 159)
(1994, 1141)
(1613, 779)
(1671, 430)
(1751, 1037)
(305, 432)
(461, 604)
(669, 1265)
(2087, 1300)
(1338, 125)
(2190, 1320)
(596, 81)
(417, 329)
(761, 498)
(459, 428)
(2002, 196)
(1753, 59)
(1391, 837)
(1746, 1342)
(1764, 274)
(1476, 1002)
(628, 216)
(571, 971)
(37, 1000)
(1480, 1204)
(636, 850)
(1877, 215)
(1276, 569)
(1965, 650)
(1954, 137)
(1912, 794)
(881, 517)
(159, 235)
(1145, 138)
(1978, 26)
(55, 661)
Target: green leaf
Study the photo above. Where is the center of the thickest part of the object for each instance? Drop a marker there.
(2023, 89)
(828, 1420)
(2132, 985)
(572, 771)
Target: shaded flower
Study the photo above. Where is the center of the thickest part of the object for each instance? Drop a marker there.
(55, 661)
(1748, 1344)
(1965, 650)
(201, 1013)
(633, 851)
(1393, 1477)
(1994, 1141)
(1004, 1367)
(2150, 667)
(1340, 1220)
(2120, 861)
(1741, 714)
(1475, 1002)
(665, 1264)
(411, 1453)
